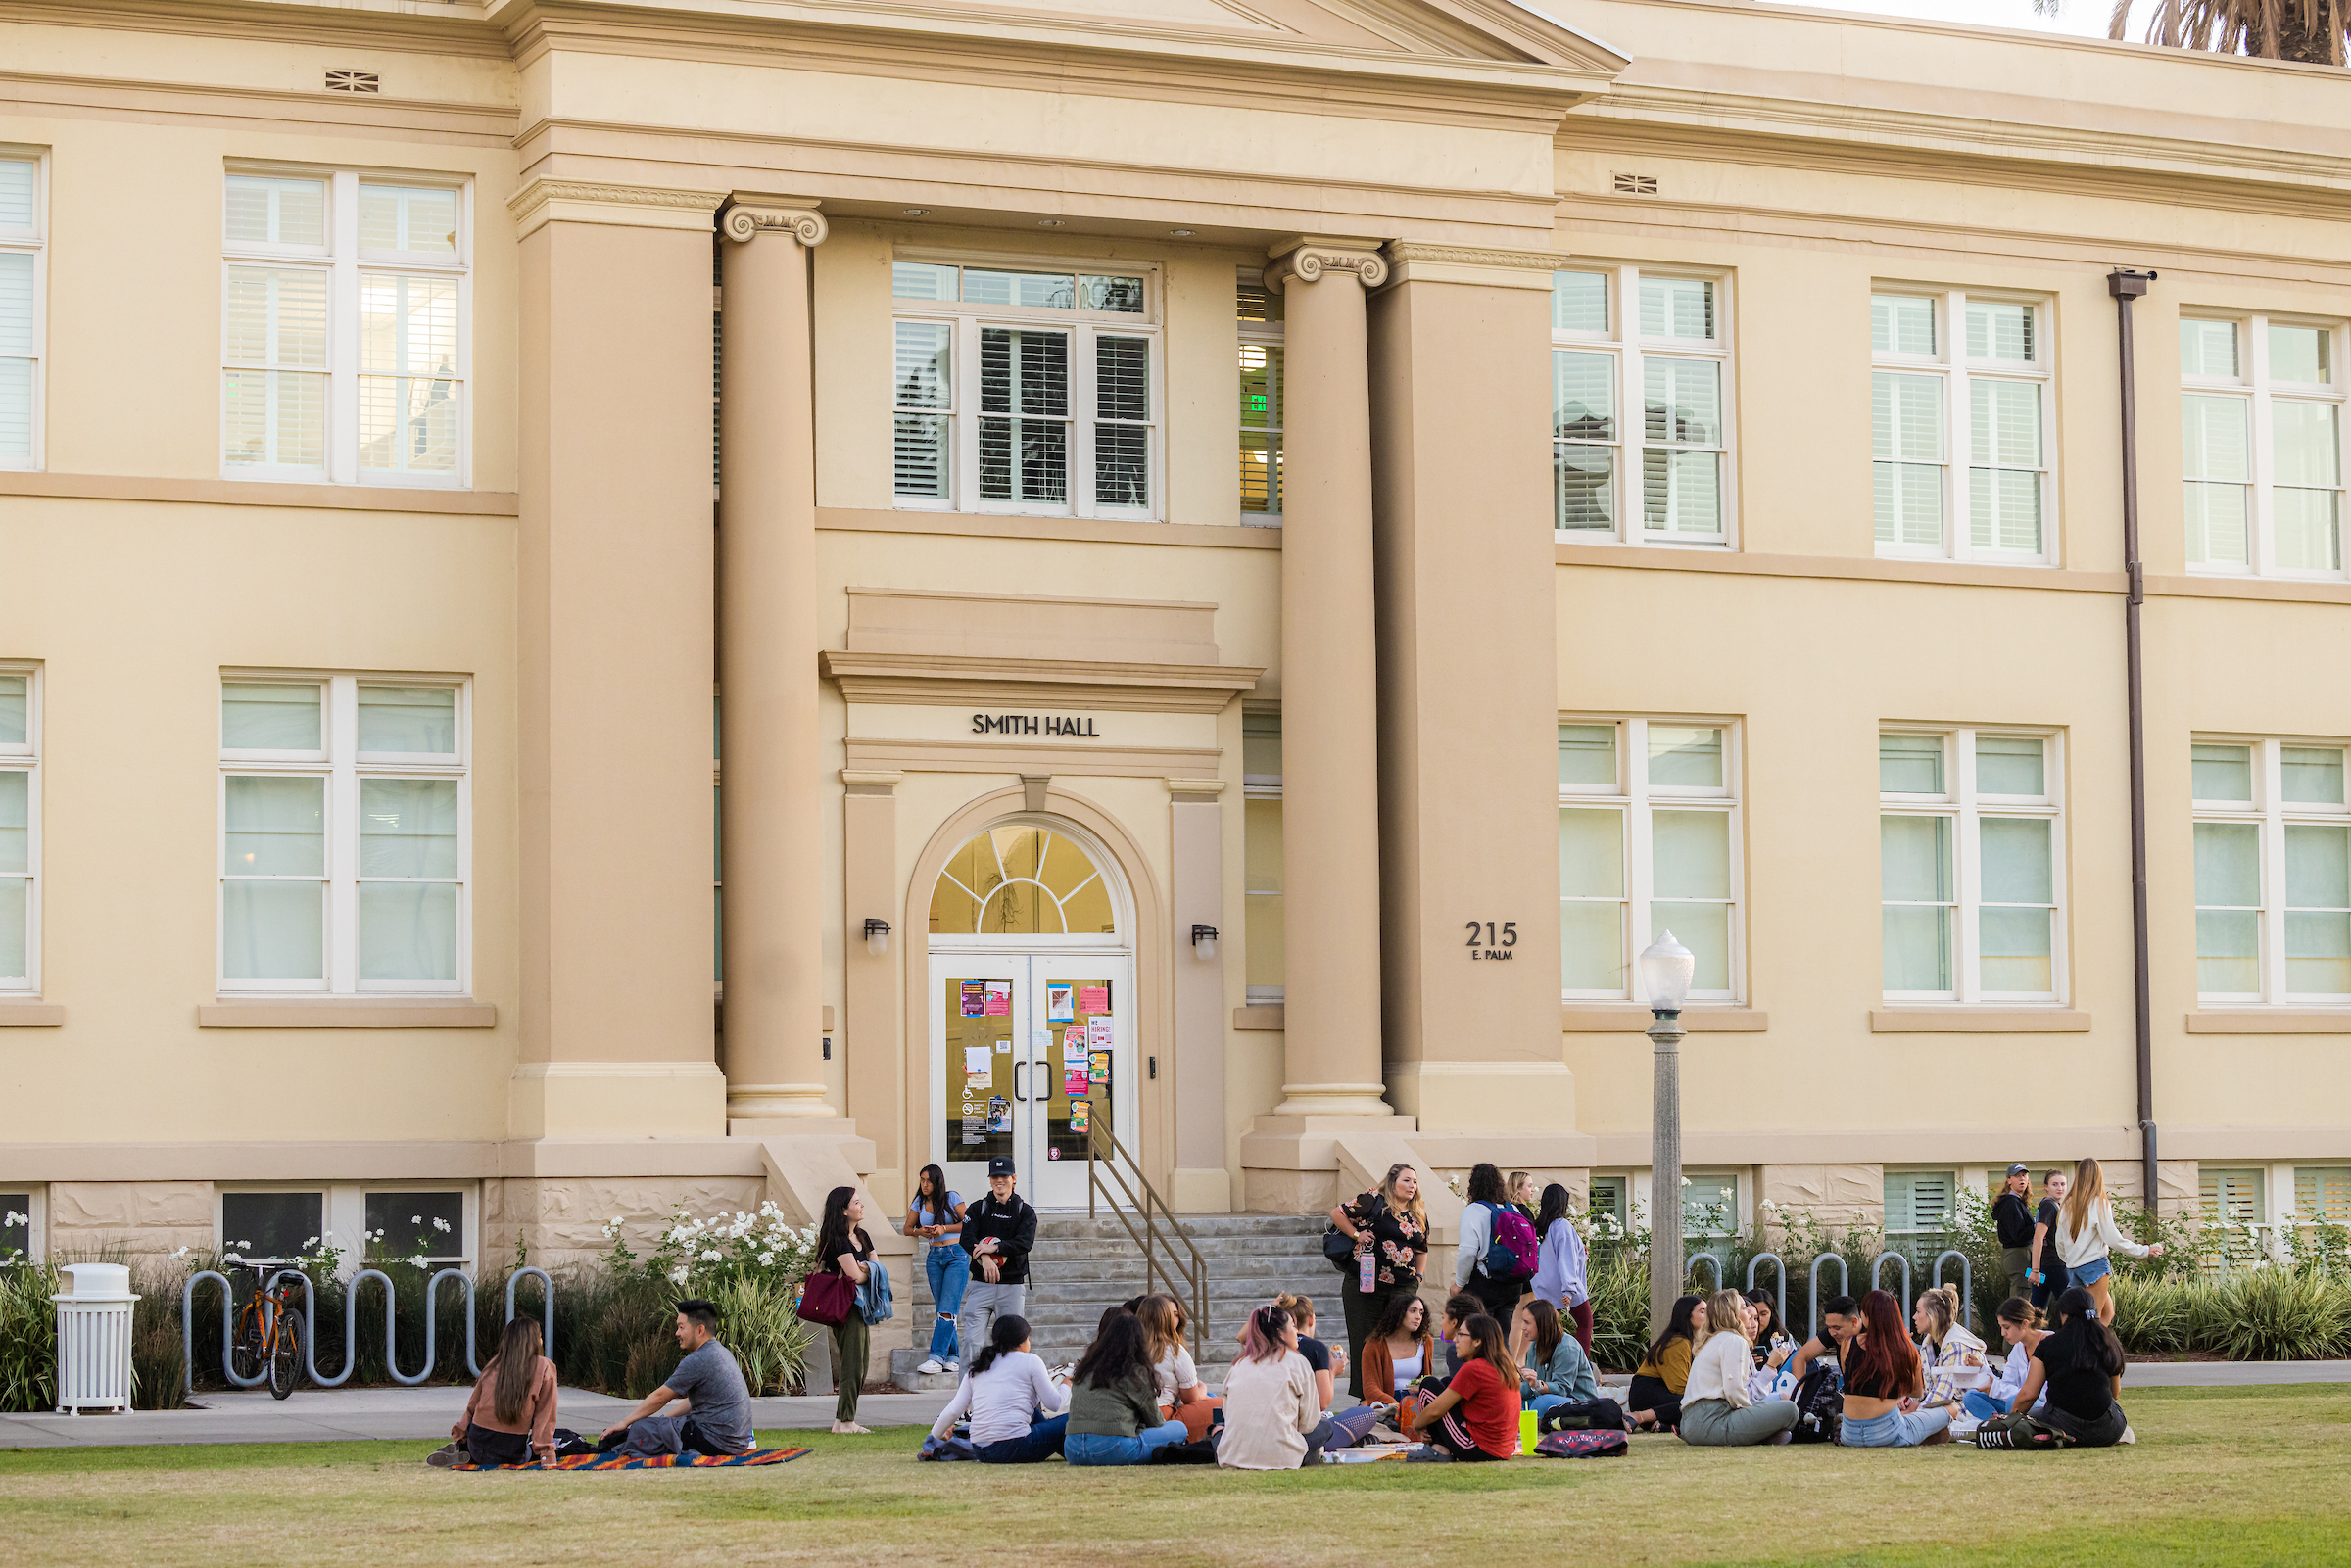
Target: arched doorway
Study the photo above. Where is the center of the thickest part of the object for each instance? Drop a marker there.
(1033, 1011)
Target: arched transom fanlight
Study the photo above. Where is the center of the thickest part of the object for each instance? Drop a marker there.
(1022, 880)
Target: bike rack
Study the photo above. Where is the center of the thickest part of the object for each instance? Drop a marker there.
(1844, 1284)
(350, 1323)
(1694, 1259)
(1779, 1270)
(1967, 1288)
(1877, 1265)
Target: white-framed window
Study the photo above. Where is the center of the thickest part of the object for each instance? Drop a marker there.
(23, 1224)
(1972, 864)
(1026, 386)
(1709, 1205)
(1263, 937)
(2236, 1221)
(1640, 407)
(2272, 841)
(344, 323)
(23, 275)
(368, 1222)
(20, 827)
(1961, 426)
(2261, 406)
(1919, 1203)
(1610, 1197)
(1259, 316)
(345, 833)
(1650, 842)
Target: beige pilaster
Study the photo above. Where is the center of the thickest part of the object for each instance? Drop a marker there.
(1460, 393)
(773, 846)
(1329, 716)
(875, 1064)
(614, 562)
(1199, 1182)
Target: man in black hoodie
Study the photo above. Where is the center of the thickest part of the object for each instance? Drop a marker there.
(997, 1231)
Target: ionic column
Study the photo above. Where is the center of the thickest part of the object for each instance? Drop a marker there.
(1329, 689)
(772, 845)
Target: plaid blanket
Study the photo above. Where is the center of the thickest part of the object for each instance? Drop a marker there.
(657, 1461)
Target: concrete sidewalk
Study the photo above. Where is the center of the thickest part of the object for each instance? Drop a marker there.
(341, 1415)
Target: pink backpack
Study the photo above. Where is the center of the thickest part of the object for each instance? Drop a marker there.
(1510, 1252)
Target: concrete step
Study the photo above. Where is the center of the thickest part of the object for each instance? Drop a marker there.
(902, 1364)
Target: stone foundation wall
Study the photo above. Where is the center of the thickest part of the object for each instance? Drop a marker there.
(560, 1222)
(148, 1220)
(1838, 1196)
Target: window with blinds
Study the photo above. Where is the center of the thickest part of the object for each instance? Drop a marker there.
(21, 207)
(1971, 860)
(1611, 1197)
(1258, 316)
(1261, 855)
(2322, 1193)
(1960, 411)
(1709, 1205)
(1919, 1201)
(1658, 345)
(1648, 842)
(2261, 410)
(343, 343)
(20, 829)
(2233, 1233)
(2272, 870)
(1025, 389)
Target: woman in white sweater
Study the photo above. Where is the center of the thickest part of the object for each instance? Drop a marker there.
(1269, 1401)
(1717, 1411)
(2086, 1238)
(1018, 1412)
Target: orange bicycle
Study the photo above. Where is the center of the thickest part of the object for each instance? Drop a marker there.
(269, 1337)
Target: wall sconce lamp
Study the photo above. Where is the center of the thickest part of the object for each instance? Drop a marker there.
(876, 936)
(1204, 943)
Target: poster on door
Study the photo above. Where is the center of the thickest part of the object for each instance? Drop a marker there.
(1061, 1003)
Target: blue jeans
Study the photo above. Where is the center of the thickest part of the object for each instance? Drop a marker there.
(1895, 1429)
(1044, 1440)
(1982, 1405)
(2050, 1288)
(949, 1270)
(1092, 1447)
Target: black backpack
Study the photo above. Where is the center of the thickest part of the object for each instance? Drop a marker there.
(1819, 1403)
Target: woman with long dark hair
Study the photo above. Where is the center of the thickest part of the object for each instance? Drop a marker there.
(1556, 1380)
(1005, 1393)
(511, 1416)
(2080, 1364)
(1270, 1408)
(844, 1248)
(1113, 1403)
(935, 1218)
(1884, 1380)
(1476, 1416)
(1656, 1396)
(1488, 1201)
(1400, 1349)
(1562, 1267)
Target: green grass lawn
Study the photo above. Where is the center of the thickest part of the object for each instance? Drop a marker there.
(2239, 1477)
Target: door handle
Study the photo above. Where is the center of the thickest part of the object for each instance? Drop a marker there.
(1017, 1091)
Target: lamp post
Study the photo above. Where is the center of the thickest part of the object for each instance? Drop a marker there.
(1665, 970)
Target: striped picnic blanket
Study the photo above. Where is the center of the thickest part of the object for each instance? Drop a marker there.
(657, 1461)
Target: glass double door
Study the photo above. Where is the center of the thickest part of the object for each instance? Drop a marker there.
(1030, 1050)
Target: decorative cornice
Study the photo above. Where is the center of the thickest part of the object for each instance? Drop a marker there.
(551, 201)
(744, 222)
(932, 679)
(1309, 261)
(1418, 263)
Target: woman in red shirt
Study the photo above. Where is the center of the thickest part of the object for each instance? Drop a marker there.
(1476, 1415)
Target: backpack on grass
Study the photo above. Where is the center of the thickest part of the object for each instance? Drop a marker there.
(1819, 1403)
(1583, 1445)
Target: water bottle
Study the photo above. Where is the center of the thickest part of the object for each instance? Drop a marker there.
(1364, 1273)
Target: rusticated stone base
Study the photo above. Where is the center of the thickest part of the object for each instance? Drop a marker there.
(145, 1219)
(553, 1222)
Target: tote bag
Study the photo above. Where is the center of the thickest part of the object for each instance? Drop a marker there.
(828, 1299)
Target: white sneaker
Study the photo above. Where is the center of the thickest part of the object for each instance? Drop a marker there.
(2127, 1436)
(931, 1368)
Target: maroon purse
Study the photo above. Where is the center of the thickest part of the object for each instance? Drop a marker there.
(827, 1299)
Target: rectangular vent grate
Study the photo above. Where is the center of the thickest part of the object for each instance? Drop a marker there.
(1636, 184)
(353, 81)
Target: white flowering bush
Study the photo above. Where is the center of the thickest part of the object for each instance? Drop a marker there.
(699, 1257)
(749, 1265)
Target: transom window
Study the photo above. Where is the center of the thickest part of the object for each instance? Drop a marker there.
(2262, 445)
(1026, 387)
(20, 309)
(1972, 864)
(1648, 842)
(20, 829)
(2272, 870)
(1624, 339)
(1259, 315)
(344, 330)
(1960, 426)
(1022, 880)
(345, 843)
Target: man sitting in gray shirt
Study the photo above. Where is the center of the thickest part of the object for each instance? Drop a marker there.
(718, 1405)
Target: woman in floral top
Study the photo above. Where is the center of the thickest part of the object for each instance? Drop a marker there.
(1390, 1223)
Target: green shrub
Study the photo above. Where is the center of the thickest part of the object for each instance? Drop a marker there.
(758, 1322)
(1619, 1287)
(2279, 1314)
(28, 1336)
(2156, 1316)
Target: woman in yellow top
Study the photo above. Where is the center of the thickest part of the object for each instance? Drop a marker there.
(1655, 1399)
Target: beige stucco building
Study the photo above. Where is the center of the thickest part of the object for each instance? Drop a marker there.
(1170, 675)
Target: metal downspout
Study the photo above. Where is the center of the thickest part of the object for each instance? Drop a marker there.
(2125, 286)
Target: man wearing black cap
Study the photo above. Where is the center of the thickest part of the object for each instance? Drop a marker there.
(2013, 1214)
(997, 1231)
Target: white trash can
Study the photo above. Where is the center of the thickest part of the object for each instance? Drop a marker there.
(93, 1338)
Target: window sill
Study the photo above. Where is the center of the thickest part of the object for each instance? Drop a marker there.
(32, 1014)
(1978, 1020)
(2265, 1020)
(349, 1013)
(1701, 1018)
(1261, 1015)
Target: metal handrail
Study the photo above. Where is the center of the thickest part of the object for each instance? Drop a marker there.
(1153, 1211)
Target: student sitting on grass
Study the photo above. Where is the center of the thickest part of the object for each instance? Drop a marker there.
(1716, 1410)
(1658, 1381)
(1884, 1381)
(718, 1404)
(1113, 1403)
(1272, 1413)
(1474, 1415)
(2020, 1326)
(2079, 1364)
(1459, 1308)
(1400, 1352)
(512, 1416)
(1556, 1377)
(1182, 1397)
(1957, 1363)
(1015, 1409)
(1346, 1428)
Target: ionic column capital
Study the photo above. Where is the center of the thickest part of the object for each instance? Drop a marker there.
(746, 218)
(1305, 260)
